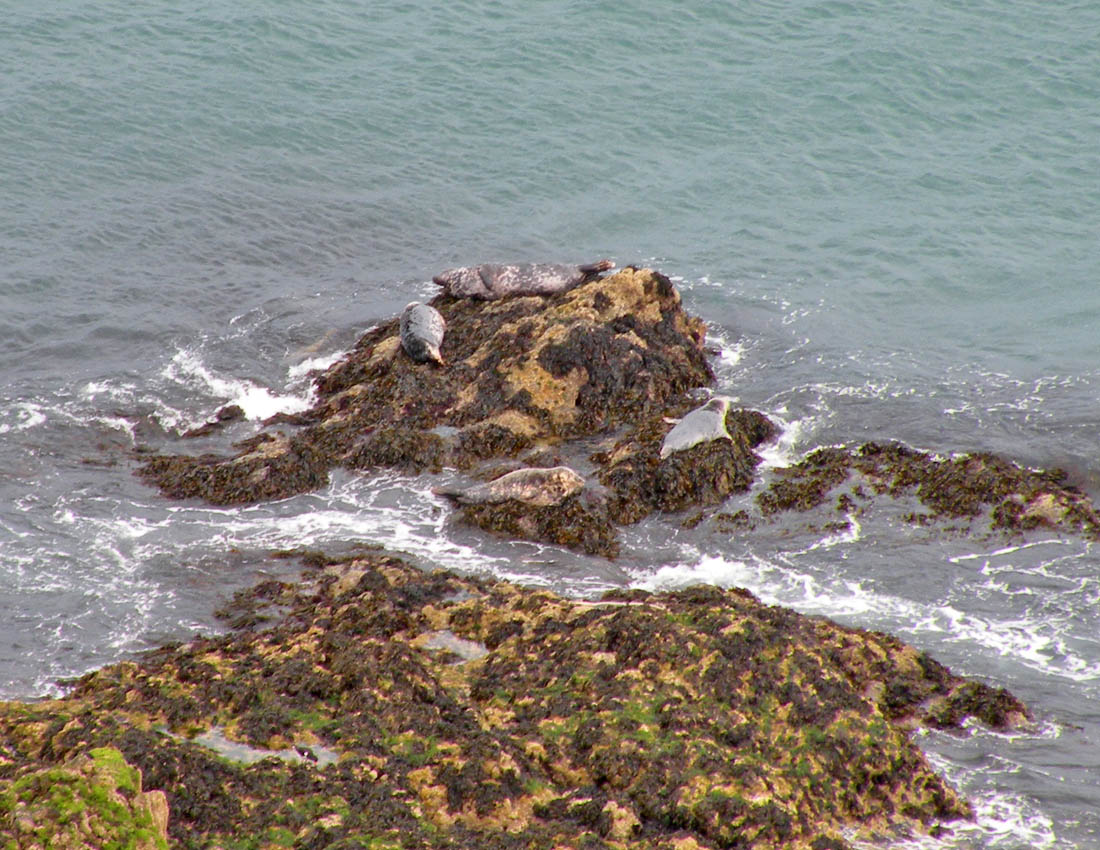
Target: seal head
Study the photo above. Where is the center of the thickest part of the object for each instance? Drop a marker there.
(702, 425)
(535, 486)
(490, 281)
(422, 329)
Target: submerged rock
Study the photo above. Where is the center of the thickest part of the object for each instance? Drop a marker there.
(695, 718)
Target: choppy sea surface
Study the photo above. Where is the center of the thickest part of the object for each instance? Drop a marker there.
(887, 214)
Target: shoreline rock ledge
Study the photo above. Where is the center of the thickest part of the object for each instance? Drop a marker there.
(375, 705)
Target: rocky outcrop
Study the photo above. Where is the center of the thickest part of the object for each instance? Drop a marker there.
(592, 378)
(527, 378)
(706, 474)
(524, 372)
(966, 486)
(376, 705)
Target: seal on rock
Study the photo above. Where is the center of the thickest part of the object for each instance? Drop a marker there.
(422, 329)
(535, 486)
(490, 281)
(702, 425)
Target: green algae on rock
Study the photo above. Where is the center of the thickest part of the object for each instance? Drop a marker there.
(522, 371)
(93, 800)
(695, 718)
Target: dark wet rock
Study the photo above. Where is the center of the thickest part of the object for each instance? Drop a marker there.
(580, 522)
(695, 718)
(225, 415)
(270, 467)
(806, 484)
(995, 707)
(400, 447)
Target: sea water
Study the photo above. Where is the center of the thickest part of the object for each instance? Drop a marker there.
(887, 214)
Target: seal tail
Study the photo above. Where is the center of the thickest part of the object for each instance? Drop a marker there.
(453, 494)
(597, 267)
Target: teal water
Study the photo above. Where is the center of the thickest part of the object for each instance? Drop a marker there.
(886, 212)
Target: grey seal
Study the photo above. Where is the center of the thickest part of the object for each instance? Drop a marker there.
(702, 425)
(422, 329)
(535, 486)
(490, 281)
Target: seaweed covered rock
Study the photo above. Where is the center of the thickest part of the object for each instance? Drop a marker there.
(389, 707)
(705, 474)
(550, 504)
(522, 371)
(959, 486)
(581, 522)
(94, 800)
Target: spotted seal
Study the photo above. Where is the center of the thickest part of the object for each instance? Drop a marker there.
(702, 425)
(490, 281)
(538, 487)
(422, 331)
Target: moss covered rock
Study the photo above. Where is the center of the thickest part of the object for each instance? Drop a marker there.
(94, 800)
(399, 708)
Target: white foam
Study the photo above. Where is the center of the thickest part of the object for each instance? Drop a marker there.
(128, 395)
(781, 452)
(257, 402)
(1036, 643)
(312, 364)
(1006, 550)
(389, 509)
(729, 353)
(120, 391)
(1002, 820)
(27, 415)
(1034, 640)
(777, 583)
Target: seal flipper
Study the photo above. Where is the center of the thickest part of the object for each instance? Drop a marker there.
(453, 493)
